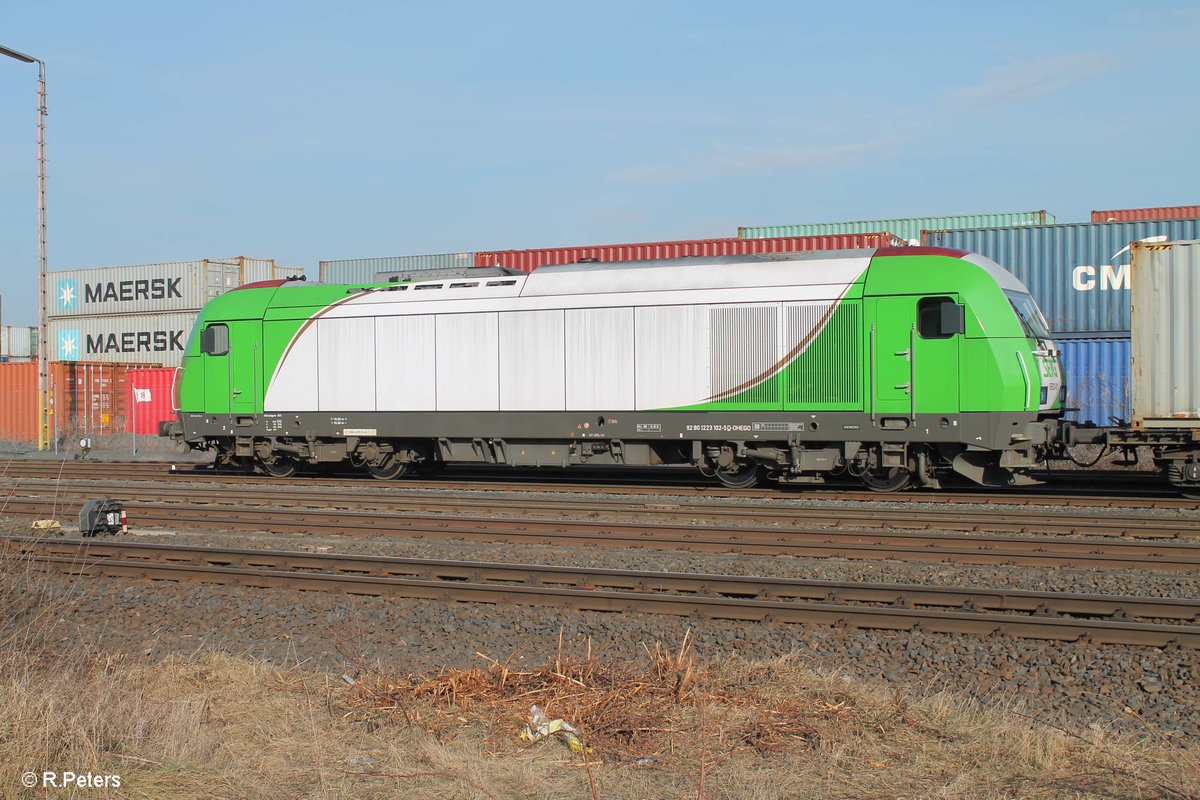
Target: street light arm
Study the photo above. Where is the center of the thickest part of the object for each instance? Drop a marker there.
(19, 56)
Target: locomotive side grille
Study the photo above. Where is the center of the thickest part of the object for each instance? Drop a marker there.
(827, 369)
(745, 347)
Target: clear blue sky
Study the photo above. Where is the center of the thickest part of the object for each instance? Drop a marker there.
(305, 131)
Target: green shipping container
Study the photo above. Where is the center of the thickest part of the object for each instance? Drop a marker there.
(906, 228)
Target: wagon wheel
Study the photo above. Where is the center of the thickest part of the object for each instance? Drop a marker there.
(738, 476)
(390, 468)
(886, 479)
(278, 467)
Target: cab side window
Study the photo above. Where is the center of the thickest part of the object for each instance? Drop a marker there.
(940, 318)
(214, 340)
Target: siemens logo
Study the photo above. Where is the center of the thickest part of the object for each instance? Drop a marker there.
(128, 291)
(1083, 278)
(135, 342)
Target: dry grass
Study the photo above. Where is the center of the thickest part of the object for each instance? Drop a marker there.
(670, 726)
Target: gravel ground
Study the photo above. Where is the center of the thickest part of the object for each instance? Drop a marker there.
(1132, 689)
(1074, 685)
(1086, 581)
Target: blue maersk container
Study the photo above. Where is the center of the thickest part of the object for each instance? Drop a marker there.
(1096, 373)
(1078, 272)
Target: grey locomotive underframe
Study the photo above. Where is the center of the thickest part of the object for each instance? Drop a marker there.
(990, 448)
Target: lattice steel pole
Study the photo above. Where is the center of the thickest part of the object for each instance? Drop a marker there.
(43, 421)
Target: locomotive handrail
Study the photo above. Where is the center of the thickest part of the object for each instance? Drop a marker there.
(912, 374)
(872, 376)
(1025, 377)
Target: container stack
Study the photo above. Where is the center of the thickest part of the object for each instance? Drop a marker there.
(368, 270)
(1079, 273)
(140, 314)
(18, 343)
(529, 260)
(115, 338)
(908, 228)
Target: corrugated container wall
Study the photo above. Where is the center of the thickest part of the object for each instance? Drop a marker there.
(289, 273)
(157, 339)
(363, 270)
(1078, 272)
(253, 270)
(146, 288)
(18, 341)
(529, 260)
(18, 401)
(1166, 334)
(1096, 373)
(85, 399)
(151, 399)
(907, 227)
(89, 399)
(1162, 212)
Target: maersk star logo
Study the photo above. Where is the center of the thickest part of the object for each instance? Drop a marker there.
(68, 345)
(68, 294)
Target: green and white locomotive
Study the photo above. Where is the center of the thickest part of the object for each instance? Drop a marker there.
(896, 366)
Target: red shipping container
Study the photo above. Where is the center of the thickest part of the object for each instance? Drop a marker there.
(1133, 214)
(151, 399)
(529, 260)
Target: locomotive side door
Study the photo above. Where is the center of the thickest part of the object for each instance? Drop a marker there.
(231, 353)
(913, 347)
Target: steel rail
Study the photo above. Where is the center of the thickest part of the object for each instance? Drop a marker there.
(583, 480)
(907, 595)
(770, 540)
(1047, 616)
(1029, 522)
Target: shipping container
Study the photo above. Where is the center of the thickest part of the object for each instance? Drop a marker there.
(84, 399)
(1096, 374)
(908, 228)
(153, 288)
(88, 399)
(18, 341)
(1161, 212)
(1077, 272)
(151, 399)
(529, 260)
(155, 339)
(253, 270)
(141, 289)
(363, 270)
(289, 274)
(18, 402)
(1166, 334)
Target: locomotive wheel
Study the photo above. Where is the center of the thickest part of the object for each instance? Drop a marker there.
(889, 479)
(742, 478)
(1190, 492)
(279, 468)
(390, 469)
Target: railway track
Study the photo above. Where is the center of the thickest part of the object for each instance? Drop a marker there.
(1131, 490)
(407, 504)
(1038, 615)
(966, 548)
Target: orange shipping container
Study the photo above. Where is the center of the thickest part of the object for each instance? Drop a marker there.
(18, 401)
(85, 399)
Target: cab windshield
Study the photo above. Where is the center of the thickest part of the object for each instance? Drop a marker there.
(1030, 315)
